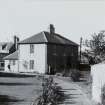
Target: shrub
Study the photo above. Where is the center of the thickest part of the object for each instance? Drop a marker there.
(51, 94)
(59, 74)
(75, 75)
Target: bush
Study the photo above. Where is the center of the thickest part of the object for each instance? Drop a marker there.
(58, 74)
(75, 75)
(51, 94)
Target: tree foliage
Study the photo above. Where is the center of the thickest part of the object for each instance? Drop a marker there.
(96, 53)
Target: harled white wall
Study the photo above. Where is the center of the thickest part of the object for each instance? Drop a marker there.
(39, 57)
(13, 68)
(98, 81)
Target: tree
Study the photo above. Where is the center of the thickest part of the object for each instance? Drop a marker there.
(96, 53)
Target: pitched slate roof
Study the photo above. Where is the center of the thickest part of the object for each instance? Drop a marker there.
(13, 56)
(46, 37)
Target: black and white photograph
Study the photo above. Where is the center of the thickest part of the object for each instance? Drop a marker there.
(52, 52)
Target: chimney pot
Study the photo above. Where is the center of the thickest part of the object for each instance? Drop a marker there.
(52, 29)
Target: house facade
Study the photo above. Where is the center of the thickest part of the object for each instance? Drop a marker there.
(61, 58)
(7, 48)
(32, 58)
(47, 52)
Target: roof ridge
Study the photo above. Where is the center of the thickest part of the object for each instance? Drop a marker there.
(61, 37)
(30, 38)
(45, 36)
(65, 38)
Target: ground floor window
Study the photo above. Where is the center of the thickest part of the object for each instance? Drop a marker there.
(1, 64)
(12, 62)
(31, 64)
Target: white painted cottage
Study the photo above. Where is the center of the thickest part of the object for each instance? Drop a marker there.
(11, 62)
(45, 52)
(98, 81)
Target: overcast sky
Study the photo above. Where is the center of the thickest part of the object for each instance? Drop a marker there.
(71, 18)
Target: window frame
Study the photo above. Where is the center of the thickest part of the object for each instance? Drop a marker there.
(31, 48)
(14, 62)
(31, 64)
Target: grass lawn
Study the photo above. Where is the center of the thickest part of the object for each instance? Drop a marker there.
(19, 91)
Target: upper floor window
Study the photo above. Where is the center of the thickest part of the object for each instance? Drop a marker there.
(31, 48)
(54, 49)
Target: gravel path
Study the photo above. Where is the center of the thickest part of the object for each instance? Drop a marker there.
(74, 93)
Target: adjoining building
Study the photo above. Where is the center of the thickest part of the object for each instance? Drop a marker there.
(7, 48)
(47, 52)
(11, 62)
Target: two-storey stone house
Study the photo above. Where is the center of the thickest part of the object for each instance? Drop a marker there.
(47, 52)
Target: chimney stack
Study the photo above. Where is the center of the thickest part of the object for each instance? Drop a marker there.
(16, 40)
(52, 29)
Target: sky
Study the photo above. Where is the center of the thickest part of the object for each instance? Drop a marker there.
(72, 18)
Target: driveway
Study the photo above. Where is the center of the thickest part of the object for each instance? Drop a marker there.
(74, 93)
(19, 91)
